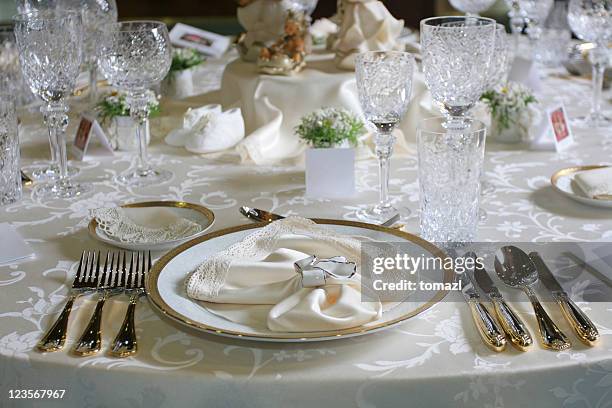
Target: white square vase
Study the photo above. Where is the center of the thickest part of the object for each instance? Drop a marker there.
(179, 84)
(330, 173)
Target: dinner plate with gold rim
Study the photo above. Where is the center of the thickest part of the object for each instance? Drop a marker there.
(166, 285)
(193, 212)
(563, 181)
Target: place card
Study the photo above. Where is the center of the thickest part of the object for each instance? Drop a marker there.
(330, 173)
(89, 129)
(553, 132)
(208, 43)
(12, 247)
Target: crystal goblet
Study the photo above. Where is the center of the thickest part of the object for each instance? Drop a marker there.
(535, 12)
(457, 54)
(134, 56)
(384, 83)
(591, 20)
(472, 7)
(50, 53)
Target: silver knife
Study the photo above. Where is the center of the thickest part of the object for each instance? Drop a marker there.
(582, 325)
(510, 322)
(258, 215)
(488, 328)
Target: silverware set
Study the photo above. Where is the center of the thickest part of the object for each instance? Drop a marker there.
(119, 273)
(519, 270)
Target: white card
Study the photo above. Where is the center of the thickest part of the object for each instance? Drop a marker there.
(89, 129)
(206, 42)
(525, 72)
(553, 132)
(12, 247)
(330, 173)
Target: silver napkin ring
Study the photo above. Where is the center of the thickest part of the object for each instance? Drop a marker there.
(315, 271)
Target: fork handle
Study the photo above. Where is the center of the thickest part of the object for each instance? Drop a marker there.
(125, 344)
(55, 338)
(551, 336)
(512, 325)
(91, 339)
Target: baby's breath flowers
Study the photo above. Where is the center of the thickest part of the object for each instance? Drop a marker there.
(185, 58)
(115, 104)
(330, 127)
(508, 102)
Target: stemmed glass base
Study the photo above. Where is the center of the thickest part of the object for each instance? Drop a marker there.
(62, 190)
(380, 214)
(52, 172)
(144, 178)
(593, 121)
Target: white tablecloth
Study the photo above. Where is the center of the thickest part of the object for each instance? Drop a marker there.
(435, 359)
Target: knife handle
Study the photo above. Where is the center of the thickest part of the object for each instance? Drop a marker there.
(487, 326)
(512, 325)
(582, 325)
(552, 337)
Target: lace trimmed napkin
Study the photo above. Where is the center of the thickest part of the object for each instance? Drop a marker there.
(596, 182)
(208, 130)
(144, 225)
(254, 282)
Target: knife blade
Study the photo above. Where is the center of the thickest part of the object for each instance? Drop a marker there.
(582, 325)
(258, 215)
(513, 326)
(488, 328)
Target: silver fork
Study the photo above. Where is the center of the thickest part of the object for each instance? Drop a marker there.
(108, 285)
(85, 280)
(125, 343)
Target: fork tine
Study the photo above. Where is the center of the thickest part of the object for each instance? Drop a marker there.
(150, 263)
(80, 270)
(97, 271)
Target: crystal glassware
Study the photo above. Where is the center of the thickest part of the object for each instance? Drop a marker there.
(10, 172)
(50, 51)
(134, 56)
(9, 61)
(535, 12)
(450, 163)
(472, 7)
(591, 20)
(517, 20)
(457, 53)
(384, 83)
(502, 58)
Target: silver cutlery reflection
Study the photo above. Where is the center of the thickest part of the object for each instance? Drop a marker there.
(512, 324)
(109, 285)
(258, 215)
(85, 281)
(582, 325)
(515, 269)
(489, 330)
(125, 343)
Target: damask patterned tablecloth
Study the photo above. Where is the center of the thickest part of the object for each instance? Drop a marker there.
(435, 359)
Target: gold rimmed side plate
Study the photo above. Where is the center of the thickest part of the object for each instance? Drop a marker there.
(563, 181)
(199, 214)
(170, 279)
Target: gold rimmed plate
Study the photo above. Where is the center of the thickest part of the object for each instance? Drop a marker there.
(166, 285)
(563, 181)
(193, 212)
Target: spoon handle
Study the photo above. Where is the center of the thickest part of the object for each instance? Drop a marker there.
(552, 338)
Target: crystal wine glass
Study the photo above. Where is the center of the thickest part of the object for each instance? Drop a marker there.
(535, 12)
(591, 20)
(472, 7)
(501, 60)
(456, 54)
(134, 56)
(517, 20)
(50, 52)
(384, 83)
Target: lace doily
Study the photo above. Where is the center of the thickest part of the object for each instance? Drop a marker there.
(210, 276)
(117, 224)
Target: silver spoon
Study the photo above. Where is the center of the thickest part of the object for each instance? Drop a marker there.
(516, 269)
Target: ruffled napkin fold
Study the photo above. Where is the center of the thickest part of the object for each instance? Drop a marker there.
(596, 182)
(208, 130)
(255, 282)
(144, 225)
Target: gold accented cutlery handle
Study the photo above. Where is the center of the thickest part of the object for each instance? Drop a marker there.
(582, 325)
(125, 343)
(91, 339)
(487, 327)
(55, 338)
(552, 338)
(512, 325)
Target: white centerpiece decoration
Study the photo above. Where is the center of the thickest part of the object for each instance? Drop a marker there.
(331, 134)
(178, 83)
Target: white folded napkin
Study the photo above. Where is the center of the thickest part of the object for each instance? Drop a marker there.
(208, 129)
(144, 224)
(255, 282)
(595, 182)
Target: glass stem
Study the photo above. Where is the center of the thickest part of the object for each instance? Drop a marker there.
(139, 111)
(93, 83)
(598, 57)
(56, 119)
(384, 150)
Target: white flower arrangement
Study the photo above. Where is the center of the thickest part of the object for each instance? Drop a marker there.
(508, 102)
(330, 127)
(115, 104)
(185, 58)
